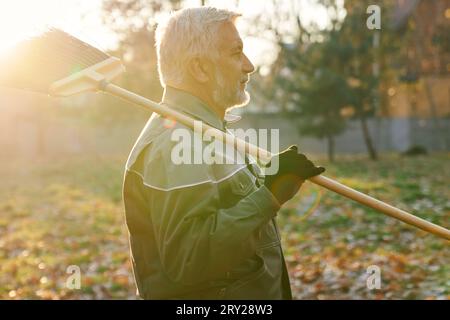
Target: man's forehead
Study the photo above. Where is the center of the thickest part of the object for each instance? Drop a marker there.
(228, 37)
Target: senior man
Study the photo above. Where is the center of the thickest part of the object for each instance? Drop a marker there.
(205, 231)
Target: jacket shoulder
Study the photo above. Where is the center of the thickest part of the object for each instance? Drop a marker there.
(159, 151)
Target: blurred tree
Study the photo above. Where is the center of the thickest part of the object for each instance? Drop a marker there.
(126, 16)
(367, 67)
(306, 77)
(332, 73)
(361, 75)
(315, 85)
(134, 22)
(137, 52)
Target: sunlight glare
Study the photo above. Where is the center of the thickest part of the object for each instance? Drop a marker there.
(22, 18)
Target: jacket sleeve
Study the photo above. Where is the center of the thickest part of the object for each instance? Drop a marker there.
(197, 240)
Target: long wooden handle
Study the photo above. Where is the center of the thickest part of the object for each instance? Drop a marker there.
(266, 155)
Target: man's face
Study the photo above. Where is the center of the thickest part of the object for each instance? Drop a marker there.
(232, 69)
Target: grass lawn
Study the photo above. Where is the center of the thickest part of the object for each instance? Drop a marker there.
(69, 212)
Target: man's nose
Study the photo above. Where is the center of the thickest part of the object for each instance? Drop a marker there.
(248, 66)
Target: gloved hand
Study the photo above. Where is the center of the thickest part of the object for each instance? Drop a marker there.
(293, 169)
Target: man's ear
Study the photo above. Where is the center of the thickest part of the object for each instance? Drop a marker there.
(200, 69)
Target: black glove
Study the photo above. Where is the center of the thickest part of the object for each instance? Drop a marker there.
(293, 169)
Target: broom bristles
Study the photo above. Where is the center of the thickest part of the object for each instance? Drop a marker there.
(35, 63)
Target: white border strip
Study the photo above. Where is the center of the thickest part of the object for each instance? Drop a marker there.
(187, 185)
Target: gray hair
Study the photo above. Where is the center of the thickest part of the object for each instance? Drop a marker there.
(186, 34)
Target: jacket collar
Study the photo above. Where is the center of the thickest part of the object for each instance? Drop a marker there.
(189, 104)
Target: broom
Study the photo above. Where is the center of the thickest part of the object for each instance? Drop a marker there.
(61, 65)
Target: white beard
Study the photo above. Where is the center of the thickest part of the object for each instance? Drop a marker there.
(228, 98)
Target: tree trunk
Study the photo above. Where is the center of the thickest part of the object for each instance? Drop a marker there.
(330, 140)
(367, 138)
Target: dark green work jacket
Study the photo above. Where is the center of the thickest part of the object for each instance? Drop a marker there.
(199, 231)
